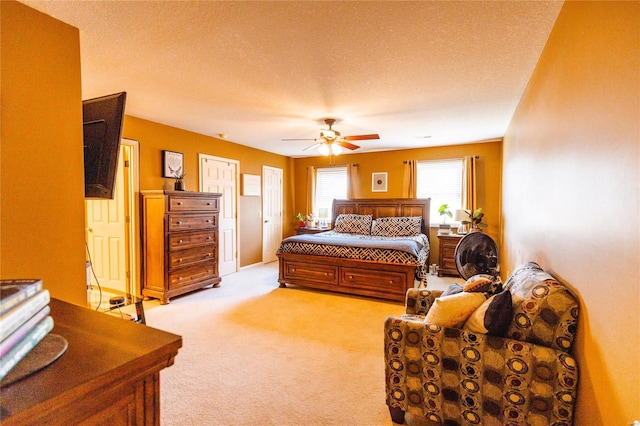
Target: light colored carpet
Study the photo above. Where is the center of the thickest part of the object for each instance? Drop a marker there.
(256, 354)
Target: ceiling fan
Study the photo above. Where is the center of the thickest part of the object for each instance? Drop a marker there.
(332, 142)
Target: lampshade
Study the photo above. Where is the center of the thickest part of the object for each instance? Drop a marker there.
(460, 216)
(336, 149)
(324, 149)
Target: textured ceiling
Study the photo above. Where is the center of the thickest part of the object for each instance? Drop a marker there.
(259, 72)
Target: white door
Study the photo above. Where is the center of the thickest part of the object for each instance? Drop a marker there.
(221, 175)
(271, 212)
(109, 234)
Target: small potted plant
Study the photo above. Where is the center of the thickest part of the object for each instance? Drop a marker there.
(444, 228)
(475, 218)
(300, 218)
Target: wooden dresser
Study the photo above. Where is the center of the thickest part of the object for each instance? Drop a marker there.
(109, 374)
(447, 252)
(179, 242)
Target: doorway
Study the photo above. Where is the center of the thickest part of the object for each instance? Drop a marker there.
(221, 175)
(271, 212)
(110, 233)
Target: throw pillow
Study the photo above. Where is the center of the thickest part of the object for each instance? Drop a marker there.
(452, 289)
(353, 223)
(397, 226)
(483, 283)
(493, 316)
(453, 310)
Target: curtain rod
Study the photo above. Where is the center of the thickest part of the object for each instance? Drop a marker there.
(406, 161)
(336, 165)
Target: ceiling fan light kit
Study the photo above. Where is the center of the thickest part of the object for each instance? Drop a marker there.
(332, 143)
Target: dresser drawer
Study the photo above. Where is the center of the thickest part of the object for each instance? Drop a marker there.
(325, 274)
(184, 222)
(181, 203)
(192, 255)
(191, 239)
(389, 281)
(188, 276)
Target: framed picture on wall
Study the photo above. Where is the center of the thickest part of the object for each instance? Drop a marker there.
(250, 185)
(172, 164)
(379, 182)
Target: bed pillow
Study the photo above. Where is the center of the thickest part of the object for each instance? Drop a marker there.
(397, 226)
(453, 310)
(493, 316)
(353, 223)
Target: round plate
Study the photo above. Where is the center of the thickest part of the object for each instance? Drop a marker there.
(476, 253)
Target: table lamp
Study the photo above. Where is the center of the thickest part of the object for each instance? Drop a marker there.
(462, 217)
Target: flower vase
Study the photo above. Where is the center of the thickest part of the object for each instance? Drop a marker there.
(179, 185)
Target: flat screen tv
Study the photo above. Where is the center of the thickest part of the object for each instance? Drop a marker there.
(102, 127)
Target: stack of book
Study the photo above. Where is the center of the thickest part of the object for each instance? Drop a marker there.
(24, 320)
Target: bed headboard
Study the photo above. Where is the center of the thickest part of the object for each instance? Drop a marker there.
(385, 207)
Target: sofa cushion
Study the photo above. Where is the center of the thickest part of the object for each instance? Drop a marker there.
(397, 226)
(453, 310)
(493, 316)
(353, 223)
(545, 312)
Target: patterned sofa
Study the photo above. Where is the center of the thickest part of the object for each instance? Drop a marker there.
(456, 377)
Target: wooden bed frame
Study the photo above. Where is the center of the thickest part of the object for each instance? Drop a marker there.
(382, 280)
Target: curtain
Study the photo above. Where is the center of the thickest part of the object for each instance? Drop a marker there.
(353, 187)
(469, 192)
(410, 179)
(311, 189)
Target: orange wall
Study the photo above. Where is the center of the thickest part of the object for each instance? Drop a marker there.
(154, 138)
(571, 193)
(42, 174)
(488, 176)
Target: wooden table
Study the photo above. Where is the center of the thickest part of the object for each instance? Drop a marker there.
(110, 373)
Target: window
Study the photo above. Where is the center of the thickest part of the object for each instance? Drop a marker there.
(440, 180)
(330, 183)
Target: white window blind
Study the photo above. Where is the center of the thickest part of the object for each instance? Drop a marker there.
(331, 183)
(441, 180)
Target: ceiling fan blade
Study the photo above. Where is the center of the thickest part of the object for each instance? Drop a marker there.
(361, 137)
(347, 145)
(315, 145)
(295, 139)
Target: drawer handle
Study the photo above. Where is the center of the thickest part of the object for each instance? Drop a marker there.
(179, 241)
(179, 203)
(350, 277)
(208, 238)
(325, 274)
(209, 203)
(179, 260)
(390, 281)
(179, 222)
(209, 254)
(293, 269)
(180, 278)
(208, 220)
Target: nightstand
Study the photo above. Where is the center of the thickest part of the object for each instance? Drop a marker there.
(305, 230)
(448, 245)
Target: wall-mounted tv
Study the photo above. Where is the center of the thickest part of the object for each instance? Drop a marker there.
(102, 127)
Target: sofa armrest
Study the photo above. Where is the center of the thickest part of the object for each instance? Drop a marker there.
(447, 374)
(418, 301)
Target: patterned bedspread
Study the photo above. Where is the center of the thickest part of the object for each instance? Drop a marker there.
(407, 250)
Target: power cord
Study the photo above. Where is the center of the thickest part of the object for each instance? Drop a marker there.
(94, 276)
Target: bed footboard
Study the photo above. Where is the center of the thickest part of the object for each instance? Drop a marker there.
(388, 281)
